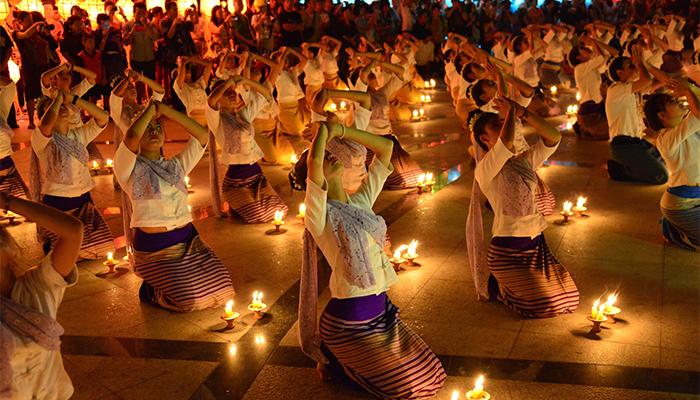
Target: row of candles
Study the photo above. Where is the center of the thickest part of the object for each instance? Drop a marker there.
(568, 209)
(425, 182)
(554, 90)
(256, 306)
(605, 312)
(405, 254)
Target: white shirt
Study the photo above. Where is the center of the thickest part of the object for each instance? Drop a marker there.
(170, 211)
(249, 152)
(313, 75)
(525, 68)
(116, 108)
(654, 57)
(38, 373)
(328, 62)
(380, 123)
(193, 97)
(81, 180)
(499, 51)
(7, 96)
(680, 148)
(554, 52)
(288, 89)
(487, 173)
(622, 111)
(673, 37)
(318, 225)
(78, 90)
(588, 79)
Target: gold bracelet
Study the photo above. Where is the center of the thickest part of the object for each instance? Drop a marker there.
(342, 135)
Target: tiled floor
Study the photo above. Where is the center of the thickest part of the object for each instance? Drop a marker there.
(117, 348)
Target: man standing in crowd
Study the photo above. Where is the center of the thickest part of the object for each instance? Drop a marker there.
(140, 34)
(291, 25)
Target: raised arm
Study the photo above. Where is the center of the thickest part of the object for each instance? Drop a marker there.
(51, 115)
(29, 32)
(644, 81)
(681, 87)
(68, 229)
(549, 134)
(86, 73)
(195, 129)
(257, 86)
(153, 85)
(48, 75)
(132, 137)
(322, 97)
(101, 116)
(317, 153)
(381, 146)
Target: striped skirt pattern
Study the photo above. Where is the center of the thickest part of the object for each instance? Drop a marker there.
(682, 227)
(544, 198)
(531, 281)
(11, 182)
(97, 238)
(383, 355)
(406, 170)
(251, 197)
(185, 276)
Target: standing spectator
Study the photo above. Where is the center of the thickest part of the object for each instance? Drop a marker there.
(34, 51)
(241, 27)
(141, 35)
(264, 25)
(216, 23)
(406, 13)
(111, 46)
(111, 10)
(91, 59)
(71, 44)
(388, 23)
(5, 54)
(178, 41)
(291, 25)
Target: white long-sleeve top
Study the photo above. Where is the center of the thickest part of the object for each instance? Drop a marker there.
(7, 96)
(588, 79)
(622, 111)
(680, 148)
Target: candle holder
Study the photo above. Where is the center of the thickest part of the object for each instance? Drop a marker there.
(567, 217)
(230, 320)
(278, 228)
(397, 263)
(596, 323)
(111, 264)
(410, 260)
(258, 309)
(581, 211)
(610, 313)
(471, 395)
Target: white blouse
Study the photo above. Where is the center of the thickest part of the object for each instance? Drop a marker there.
(317, 223)
(328, 62)
(249, 152)
(193, 97)
(680, 148)
(588, 79)
(525, 68)
(7, 96)
(492, 184)
(313, 74)
(380, 124)
(38, 373)
(80, 174)
(288, 89)
(170, 211)
(554, 52)
(622, 111)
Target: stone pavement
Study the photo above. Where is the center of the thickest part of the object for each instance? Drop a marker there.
(117, 348)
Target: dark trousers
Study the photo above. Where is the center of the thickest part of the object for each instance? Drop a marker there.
(635, 159)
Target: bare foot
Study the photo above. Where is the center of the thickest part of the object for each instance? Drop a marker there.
(323, 372)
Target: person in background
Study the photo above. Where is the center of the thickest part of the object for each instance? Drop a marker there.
(31, 365)
(177, 42)
(10, 179)
(71, 44)
(141, 35)
(6, 47)
(291, 25)
(111, 46)
(241, 27)
(264, 25)
(91, 59)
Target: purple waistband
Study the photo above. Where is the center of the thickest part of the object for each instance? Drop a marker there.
(6, 162)
(66, 203)
(243, 171)
(358, 308)
(517, 243)
(151, 242)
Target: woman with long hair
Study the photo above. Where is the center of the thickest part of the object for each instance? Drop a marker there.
(10, 179)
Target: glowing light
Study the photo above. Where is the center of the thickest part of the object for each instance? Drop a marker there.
(232, 349)
(228, 310)
(14, 70)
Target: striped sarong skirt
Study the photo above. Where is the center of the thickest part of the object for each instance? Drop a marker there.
(10, 180)
(531, 281)
(381, 353)
(544, 198)
(406, 170)
(97, 238)
(183, 276)
(682, 227)
(250, 195)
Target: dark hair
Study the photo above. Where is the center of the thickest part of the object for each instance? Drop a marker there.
(214, 18)
(517, 42)
(478, 120)
(73, 19)
(615, 66)
(478, 90)
(155, 11)
(573, 56)
(140, 5)
(37, 16)
(468, 72)
(22, 15)
(653, 105)
(299, 173)
(102, 17)
(170, 4)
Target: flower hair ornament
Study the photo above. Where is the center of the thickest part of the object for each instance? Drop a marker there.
(474, 118)
(470, 92)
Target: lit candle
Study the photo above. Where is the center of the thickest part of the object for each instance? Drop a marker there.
(422, 98)
(580, 205)
(109, 163)
(232, 349)
(594, 309)
(415, 114)
(95, 165)
(421, 180)
(278, 218)
(259, 339)
(432, 83)
(332, 107)
(397, 260)
(343, 106)
(553, 90)
(228, 310)
(478, 391)
(302, 211)
(421, 111)
(187, 182)
(569, 126)
(574, 109)
(428, 99)
(455, 395)
(566, 211)
(257, 299)
(429, 178)
(426, 84)
(411, 250)
(610, 303)
(578, 96)
(293, 159)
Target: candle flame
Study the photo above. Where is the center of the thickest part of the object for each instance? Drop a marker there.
(411, 251)
(110, 256)
(187, 180)
(278, 216)
(553, 89)
(580, 202)
(422, 98)
(415, 114)
(611, 300)
(343, 105)
(331, 106)
(455, 395)
(257, 296)
(110, 162)
(259, 339)
(397, 253)
(293, 159)
(232, 349)
(229, 307)
(95, 164)
(429, 177)
(578, 96)
(421, 179)
(479, 384)
(567, 206)
(302, 210)
(421, 111)
(432, 82)
(426, 84)
(428, 99)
